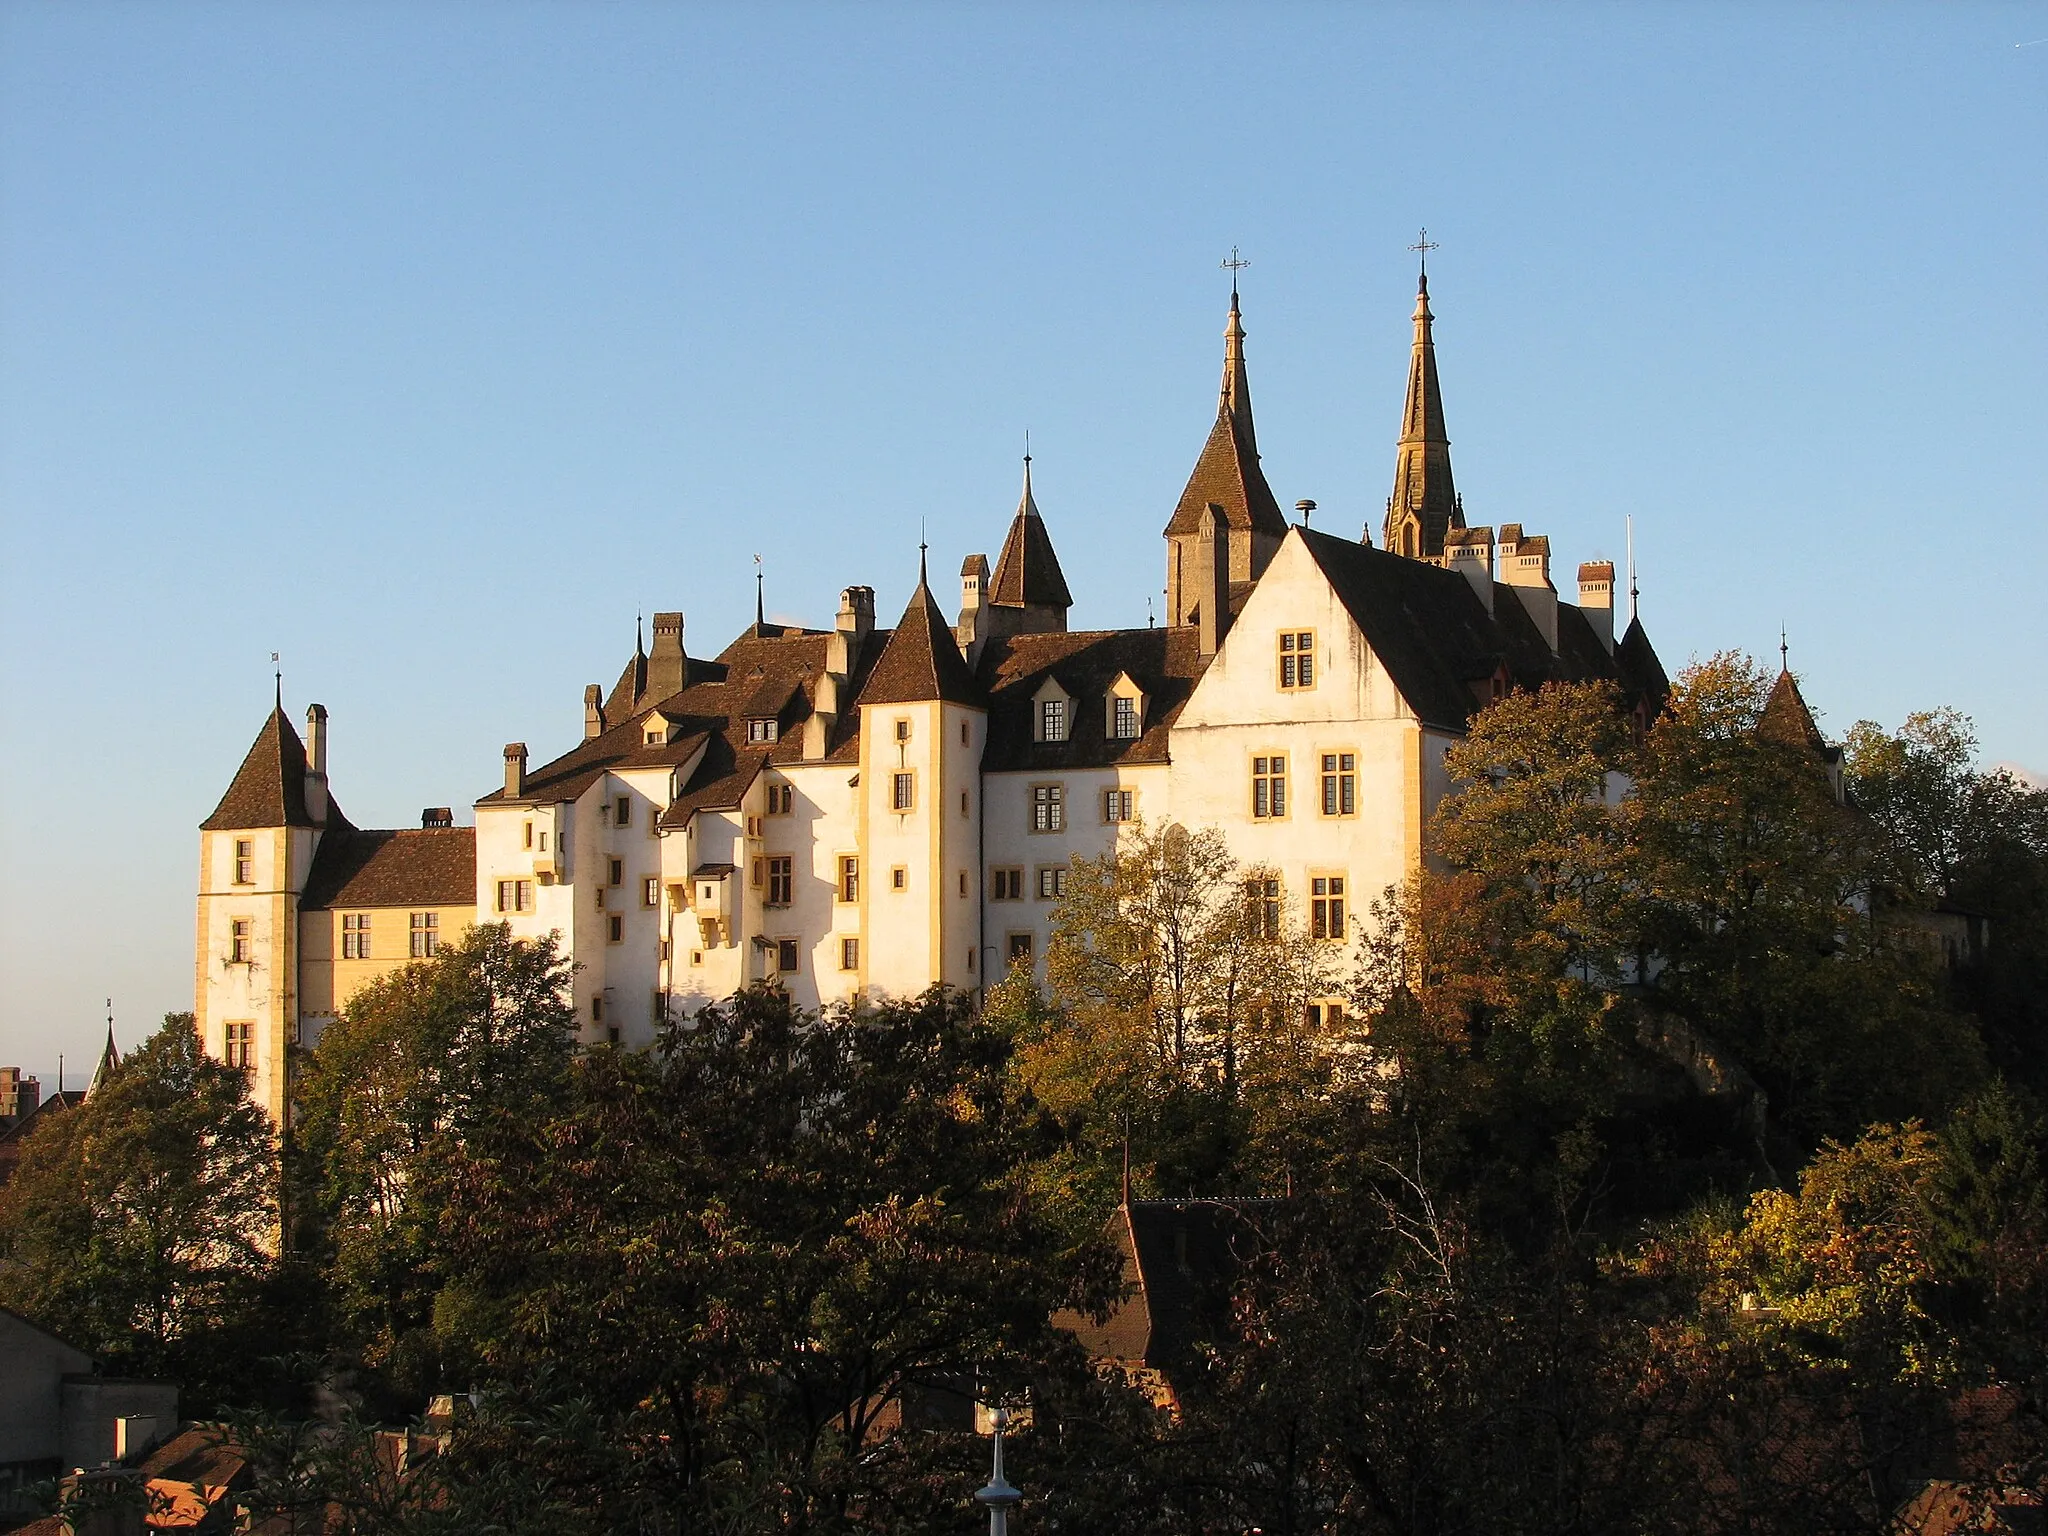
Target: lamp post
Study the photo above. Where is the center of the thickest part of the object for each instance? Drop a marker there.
(999, 1496)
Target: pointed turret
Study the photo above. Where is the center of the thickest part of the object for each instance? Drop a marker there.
(922, 660)
(1786, 719)
(1227, 476)
(110, 1062)
(1029, 589)
(629, 694)
(269, 789)
(1424, 506)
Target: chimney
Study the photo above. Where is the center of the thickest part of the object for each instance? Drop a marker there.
(515, 769)
(667, 668)
(1527, 570)
(1469, 551)
(438, 818)
(973, 603)
(593, 711)
(856, 613)
(316, 762)
(1596, 599)
(1212, 562)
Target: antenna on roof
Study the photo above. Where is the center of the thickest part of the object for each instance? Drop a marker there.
(1304, 507)
(1631, 569)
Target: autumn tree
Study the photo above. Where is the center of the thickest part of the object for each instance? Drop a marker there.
(140, 1223)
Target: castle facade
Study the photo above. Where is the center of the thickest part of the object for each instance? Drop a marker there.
(862, 811)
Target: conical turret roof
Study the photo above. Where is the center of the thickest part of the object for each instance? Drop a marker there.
(269, 789)
(922, 661)
(1228, 473)
(1028, 572)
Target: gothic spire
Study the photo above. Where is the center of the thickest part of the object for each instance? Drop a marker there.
(1028, 573)
(1424, 506)
(1236, 398)
(1227, 473)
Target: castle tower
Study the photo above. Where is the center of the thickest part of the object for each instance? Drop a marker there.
(1227, 476)
(255, 852)
(924, 720)
(1425, 505)
(1028, 594)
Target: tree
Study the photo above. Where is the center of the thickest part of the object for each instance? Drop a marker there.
(750, 1248)
(139, 1223)
(417, 1062)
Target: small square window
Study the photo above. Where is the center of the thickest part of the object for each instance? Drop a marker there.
(903, 730)
(785, 955)
(245, 861)
(849, 954)
(623, 816)
(616, 868)
(615, 928)
(650, 891)
(899, 878)
(1018, 949)
(240, 943)
(763, 730)
(1006, 885)
(849, 877)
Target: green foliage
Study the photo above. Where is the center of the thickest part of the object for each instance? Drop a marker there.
(418, 1062)
(139, 1222)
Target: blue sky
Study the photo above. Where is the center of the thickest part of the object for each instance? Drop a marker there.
(426, 343)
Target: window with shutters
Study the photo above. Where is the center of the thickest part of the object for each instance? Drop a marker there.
(1269, 786)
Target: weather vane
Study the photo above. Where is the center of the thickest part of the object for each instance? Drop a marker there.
(1234, 264)
(1425, 245)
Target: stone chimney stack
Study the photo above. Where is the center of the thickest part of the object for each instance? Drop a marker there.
(1596, 599)
(1469, 551)
(973, 625)
(437, 818)
(856, 613)
(316, 762)
(593, 711)
(515, 768)
(1527, 570)
(1212, 573)
(667, 667)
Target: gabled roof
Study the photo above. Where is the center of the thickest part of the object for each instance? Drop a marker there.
(269, 789)
(1165, 663)
(410, 867)
(720, 783)
(922, 661)
(1028, 573)
(1227, 473)
(1425, 624)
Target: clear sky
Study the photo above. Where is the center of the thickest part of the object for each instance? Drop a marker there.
(426, 343)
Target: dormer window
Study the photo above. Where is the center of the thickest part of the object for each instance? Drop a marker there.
(763, 730)
(1052, 719)
(1123, 718)
(655, 737)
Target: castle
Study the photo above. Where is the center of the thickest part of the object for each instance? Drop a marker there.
(863, 811)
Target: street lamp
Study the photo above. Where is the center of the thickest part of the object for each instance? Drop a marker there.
(999, 1496)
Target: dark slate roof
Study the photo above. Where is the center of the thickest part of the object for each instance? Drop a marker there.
(769, 663)
(1228, 474)
(1028, 573)
(411, 867)
(1787, 720)
(1641, 672)
(720, 782)
(1425, 624)
(922, 660)
(1182, 1261)
(1165, 663)
(269, 789)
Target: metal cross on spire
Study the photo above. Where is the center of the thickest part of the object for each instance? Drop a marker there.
(1234, 264)
(1425, 245)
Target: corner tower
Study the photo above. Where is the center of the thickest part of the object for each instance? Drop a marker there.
(1425, 505)
(1227, 476)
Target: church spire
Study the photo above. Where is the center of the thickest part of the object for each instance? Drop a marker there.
(1424, 506)
(1235, 403)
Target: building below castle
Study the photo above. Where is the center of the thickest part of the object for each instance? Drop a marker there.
(862, 811)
